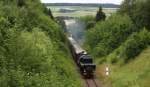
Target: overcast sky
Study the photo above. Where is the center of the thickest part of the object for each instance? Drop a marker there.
(82, 1)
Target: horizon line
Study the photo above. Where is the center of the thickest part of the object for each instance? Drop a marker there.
(76, 3)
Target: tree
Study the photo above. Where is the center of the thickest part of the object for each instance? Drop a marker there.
(50, 13)
(107, 35)
(100, 15)
(21, 3)
(31, 48)
(127, 7)
(138, 10)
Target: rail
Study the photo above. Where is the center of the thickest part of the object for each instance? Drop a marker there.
(91, 83)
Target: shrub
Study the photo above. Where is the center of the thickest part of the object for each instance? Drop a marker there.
(138, 10)
(136, 43)
(108, 35)
(133, 46)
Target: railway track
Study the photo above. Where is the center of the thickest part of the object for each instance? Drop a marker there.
(91, 83)
(82, 59)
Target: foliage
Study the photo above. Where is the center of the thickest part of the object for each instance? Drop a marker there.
(136, 73)
(108, 35)
(122, 43)
(50, 13)
(32, 48)
(89, 21)
(133, 46)
(21, 3)
(100, 15)
(87, 18)
(138, 10)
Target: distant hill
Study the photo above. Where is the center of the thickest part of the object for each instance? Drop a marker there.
(106, 5)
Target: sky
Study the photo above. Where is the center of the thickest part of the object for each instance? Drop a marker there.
(82, 1)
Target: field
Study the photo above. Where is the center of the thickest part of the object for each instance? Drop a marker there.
(78, 11)
(134, 74)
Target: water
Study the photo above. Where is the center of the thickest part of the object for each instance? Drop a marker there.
(76, 28)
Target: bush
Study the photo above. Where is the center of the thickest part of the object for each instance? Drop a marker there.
(108, 35)
(138, 10)
(133, 46)
(137, 43)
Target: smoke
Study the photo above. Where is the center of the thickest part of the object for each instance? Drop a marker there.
(76, 28)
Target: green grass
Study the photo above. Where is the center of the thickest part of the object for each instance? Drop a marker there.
(82, 11)
(134, 74)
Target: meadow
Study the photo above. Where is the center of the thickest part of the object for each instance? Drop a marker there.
(79, 11)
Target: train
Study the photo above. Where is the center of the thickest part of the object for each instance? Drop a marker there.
(83, 60)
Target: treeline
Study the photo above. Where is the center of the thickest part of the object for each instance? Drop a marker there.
(32, 48)
(138, 11)
(123, 35)
(90, 21)
(106, 5)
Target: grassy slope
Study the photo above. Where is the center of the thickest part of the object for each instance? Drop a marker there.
(134, 74)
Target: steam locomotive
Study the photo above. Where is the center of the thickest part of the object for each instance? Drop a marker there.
(83, 60)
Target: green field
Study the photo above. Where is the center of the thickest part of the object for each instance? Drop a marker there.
(134, 74)
(80, 11)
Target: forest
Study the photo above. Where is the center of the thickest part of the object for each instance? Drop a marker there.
(122, 42)
(33, 50)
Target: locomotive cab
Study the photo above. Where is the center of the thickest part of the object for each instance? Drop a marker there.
(86, 65)
(86, 60)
